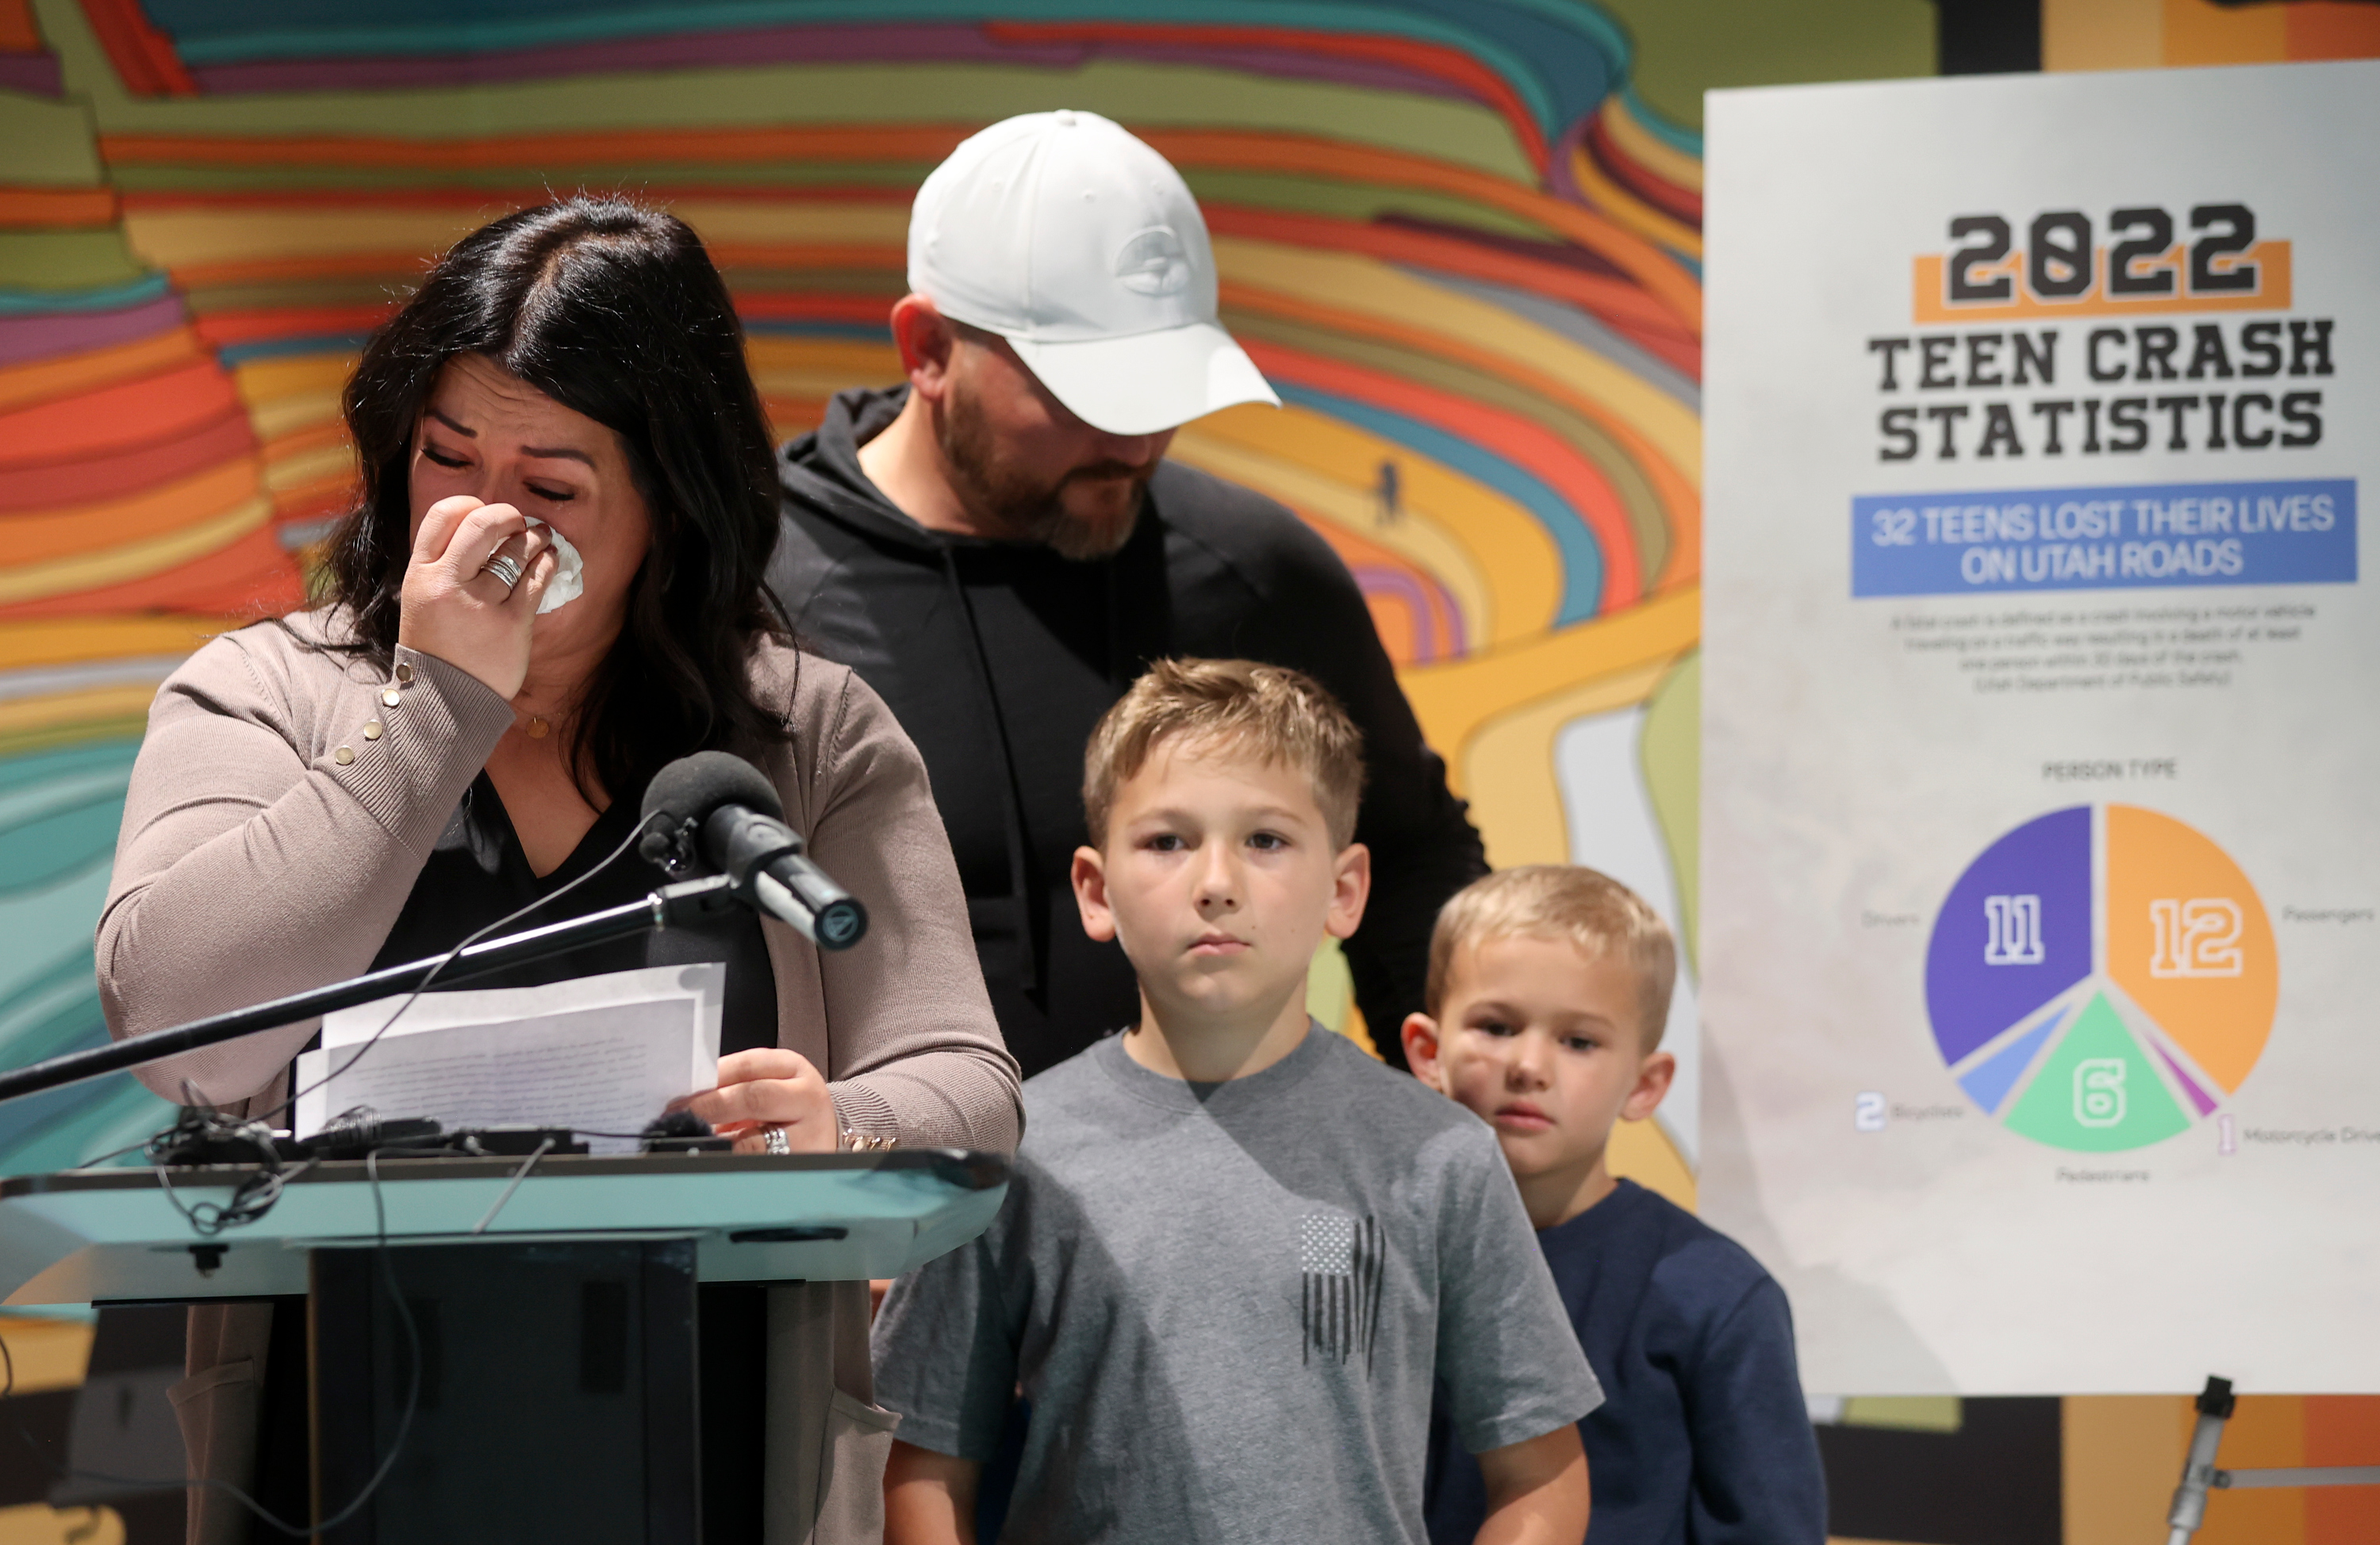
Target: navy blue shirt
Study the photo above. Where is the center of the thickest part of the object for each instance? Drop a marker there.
(1703, 1438)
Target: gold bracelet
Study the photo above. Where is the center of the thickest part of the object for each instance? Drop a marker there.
(857, 1142)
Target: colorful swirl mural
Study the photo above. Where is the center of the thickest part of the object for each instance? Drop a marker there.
(1463, 252)
(1453, 232)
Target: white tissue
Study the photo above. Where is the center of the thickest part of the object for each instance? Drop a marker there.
(569, 579)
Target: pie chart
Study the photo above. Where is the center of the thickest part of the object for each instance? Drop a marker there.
(2101, 978)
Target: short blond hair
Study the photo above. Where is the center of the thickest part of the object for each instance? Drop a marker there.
(1278, 715)
(1570, 905)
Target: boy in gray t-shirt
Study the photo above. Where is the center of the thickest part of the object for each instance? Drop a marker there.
(1236, 1252)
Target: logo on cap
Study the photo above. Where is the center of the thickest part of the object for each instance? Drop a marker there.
(1153, 263)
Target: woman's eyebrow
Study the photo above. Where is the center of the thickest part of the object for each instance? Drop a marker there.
(560, 453)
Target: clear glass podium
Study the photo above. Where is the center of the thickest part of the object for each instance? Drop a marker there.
(555, 1395)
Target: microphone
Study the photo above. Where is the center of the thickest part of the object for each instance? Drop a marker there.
(721, 807)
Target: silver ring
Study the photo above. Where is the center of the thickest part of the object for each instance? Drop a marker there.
(773, 1140)
(505, 569)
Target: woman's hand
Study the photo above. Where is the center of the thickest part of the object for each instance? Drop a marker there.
(454, 609)
(768, 1088)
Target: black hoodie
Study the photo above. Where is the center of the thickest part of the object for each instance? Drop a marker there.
(998, 657)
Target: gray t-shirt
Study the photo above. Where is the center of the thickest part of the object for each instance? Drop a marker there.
(1226, 1303)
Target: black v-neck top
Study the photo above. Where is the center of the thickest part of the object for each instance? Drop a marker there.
(479, 872)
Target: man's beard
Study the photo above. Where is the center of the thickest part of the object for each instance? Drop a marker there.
(1026, 507)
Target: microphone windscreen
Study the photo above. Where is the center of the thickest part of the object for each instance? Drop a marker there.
(676, 1124)
(692, 787)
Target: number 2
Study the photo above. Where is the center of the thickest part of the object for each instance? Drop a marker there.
(1991, 250)
(2238, 235)
(2156, 239)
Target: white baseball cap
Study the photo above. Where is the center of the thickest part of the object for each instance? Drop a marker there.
(1083, 248)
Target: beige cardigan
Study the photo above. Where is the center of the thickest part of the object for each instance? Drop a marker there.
(271, 838)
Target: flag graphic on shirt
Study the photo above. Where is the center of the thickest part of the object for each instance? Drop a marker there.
(1340, 1257)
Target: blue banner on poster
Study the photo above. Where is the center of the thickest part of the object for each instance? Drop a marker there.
(2155, 535)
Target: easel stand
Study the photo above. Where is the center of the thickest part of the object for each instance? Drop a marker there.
(2199, 1474)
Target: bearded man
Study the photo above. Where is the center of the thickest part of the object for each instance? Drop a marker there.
(999, 548)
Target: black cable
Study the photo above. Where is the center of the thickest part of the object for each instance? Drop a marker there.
(263, 1514)
(519, 1176)
(98, 1159)
(251, 1200)
(412, 1364)
(253, 1197)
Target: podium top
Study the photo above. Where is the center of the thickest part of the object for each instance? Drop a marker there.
(114, 1235)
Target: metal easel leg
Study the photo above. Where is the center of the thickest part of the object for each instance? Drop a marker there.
(2198, 1472)
(2214, 1404)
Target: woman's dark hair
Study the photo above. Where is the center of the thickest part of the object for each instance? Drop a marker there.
(614, 310)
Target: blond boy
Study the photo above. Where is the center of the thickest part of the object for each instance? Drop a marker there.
(1236, 1252)
(1548, 990)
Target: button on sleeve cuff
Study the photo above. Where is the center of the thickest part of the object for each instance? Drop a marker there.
(428, 747)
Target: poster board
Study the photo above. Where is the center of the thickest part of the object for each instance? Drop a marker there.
(2041, 831)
